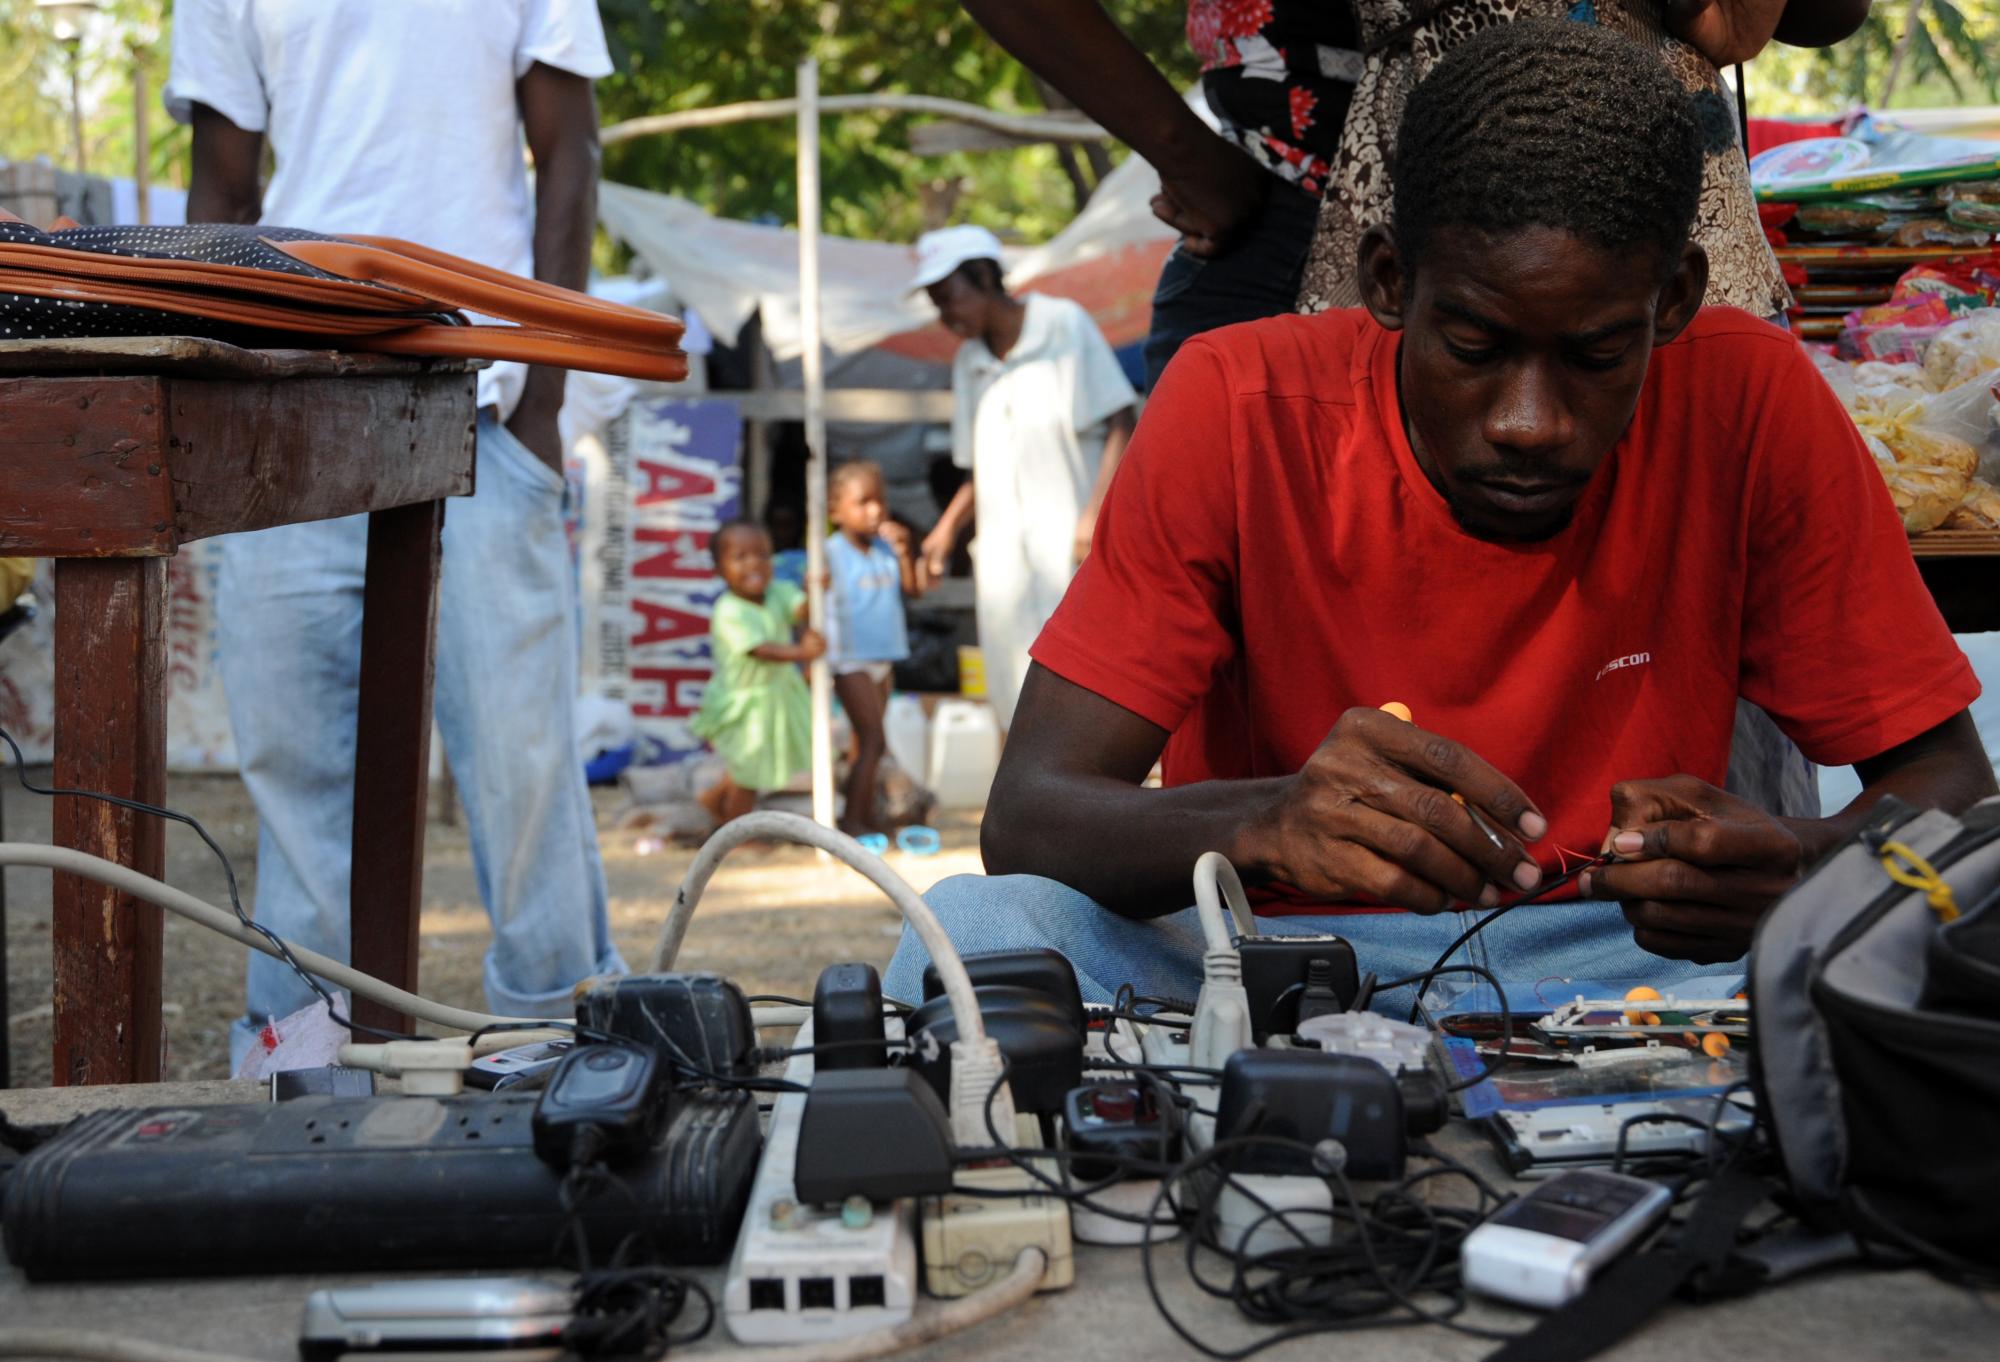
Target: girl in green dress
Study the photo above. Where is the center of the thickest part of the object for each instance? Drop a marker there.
(756, 712)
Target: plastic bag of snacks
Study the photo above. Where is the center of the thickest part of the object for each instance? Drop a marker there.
(1925, 497)
(1978, 509)
(1964, 350)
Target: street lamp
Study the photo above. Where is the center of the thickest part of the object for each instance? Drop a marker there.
(66, 20)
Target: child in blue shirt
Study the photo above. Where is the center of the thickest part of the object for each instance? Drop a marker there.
(870, 566)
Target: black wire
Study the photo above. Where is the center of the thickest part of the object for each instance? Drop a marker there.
(1498, 1061)
(1539, 895)
(777, 998)
(1398, 1249)
(229, 873)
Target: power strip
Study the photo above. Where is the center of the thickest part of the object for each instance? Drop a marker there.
(971, 1241)
(803, 1274)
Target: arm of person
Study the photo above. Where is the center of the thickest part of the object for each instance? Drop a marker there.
(1699, 867)
(1208, 188)
(1116, 437)
(897, 536)
(943, 539)
(810, 647)
(1370, 814)
(224, 185)
(1841, 645)
(559, 114)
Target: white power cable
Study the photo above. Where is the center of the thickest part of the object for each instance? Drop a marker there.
(975, 1058)
(28, 854)
(1221, 1024)
(1217, 884)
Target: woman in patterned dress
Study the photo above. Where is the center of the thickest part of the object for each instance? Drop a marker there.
(1403, 39)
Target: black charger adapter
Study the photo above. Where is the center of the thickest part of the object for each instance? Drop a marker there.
(605, 1102)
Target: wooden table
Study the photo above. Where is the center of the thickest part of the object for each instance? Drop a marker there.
(114, 453)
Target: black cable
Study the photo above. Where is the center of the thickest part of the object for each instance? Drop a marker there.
(1498, 1061)
(1539, 895)
(229, 873)
(777, 998)
(1397, 1250)
(630, 1311)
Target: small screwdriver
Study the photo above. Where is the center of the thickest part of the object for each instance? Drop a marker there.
(1402, 711)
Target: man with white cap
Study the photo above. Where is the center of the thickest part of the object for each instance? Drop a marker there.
(1041, 416)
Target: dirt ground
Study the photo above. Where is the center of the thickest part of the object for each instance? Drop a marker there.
(771, 919)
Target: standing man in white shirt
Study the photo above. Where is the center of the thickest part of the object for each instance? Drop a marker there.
(407, 120)
(1041, 413)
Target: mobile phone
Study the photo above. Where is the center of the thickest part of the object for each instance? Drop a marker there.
(522, 1316)
(524, 1066)
(1541, 1249)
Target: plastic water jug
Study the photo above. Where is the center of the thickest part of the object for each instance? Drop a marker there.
(909, 735)
(965, 752)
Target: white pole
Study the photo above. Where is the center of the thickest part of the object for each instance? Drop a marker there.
(815, 381)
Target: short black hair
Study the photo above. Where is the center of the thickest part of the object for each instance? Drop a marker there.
(983, 274)
(854, 470)
(728, 527)
(1549, 123)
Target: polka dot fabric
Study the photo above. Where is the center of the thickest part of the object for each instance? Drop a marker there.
(35, 316)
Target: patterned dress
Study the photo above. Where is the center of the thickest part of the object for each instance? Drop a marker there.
(1404, 39)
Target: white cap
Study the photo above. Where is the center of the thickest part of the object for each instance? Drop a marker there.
(942, 251)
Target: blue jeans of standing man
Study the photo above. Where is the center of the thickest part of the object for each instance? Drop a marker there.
(289, 616)
(1258, 276)
(1547, 944)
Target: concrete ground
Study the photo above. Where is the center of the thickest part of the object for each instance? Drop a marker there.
(770, 921)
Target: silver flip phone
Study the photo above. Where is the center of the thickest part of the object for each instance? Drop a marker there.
(522, 1316)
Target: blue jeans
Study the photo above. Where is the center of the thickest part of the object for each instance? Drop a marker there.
(289, 625)
(1545, 943)
(1257, 277)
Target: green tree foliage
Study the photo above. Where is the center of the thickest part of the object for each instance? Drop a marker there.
(689, 54)
(35, 94)
(1953, 58)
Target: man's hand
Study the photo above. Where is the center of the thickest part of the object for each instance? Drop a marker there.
(534, 420)
(1372, 813)
(1698, 867)
(1210, 196)
(1724, 31)
(937, 551)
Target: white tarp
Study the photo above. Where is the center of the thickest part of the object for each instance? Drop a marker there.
(729, 271)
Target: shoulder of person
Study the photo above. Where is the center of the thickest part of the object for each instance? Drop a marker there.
(1740, 371)
(1319, 358)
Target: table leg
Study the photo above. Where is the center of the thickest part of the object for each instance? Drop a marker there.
(110, 736)
(392, 748)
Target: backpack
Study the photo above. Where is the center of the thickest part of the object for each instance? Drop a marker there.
(1875, 1065)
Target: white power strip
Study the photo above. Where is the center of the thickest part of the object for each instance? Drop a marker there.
(802, 1274)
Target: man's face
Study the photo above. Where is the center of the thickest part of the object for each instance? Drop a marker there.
(1522, 359)
(961, 304)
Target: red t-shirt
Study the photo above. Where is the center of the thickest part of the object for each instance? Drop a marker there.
(1270, 554)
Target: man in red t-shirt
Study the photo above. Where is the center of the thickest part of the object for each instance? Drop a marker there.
(1533, 493)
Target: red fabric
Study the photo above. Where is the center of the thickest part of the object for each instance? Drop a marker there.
(1270, 554)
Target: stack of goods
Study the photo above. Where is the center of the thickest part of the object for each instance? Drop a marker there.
(1932, 421)
(1849, 215)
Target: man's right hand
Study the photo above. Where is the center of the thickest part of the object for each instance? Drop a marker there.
(1372, 814)
(937, 551)
(1210, 196)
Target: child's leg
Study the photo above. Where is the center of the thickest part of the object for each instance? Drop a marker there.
(861, 697)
